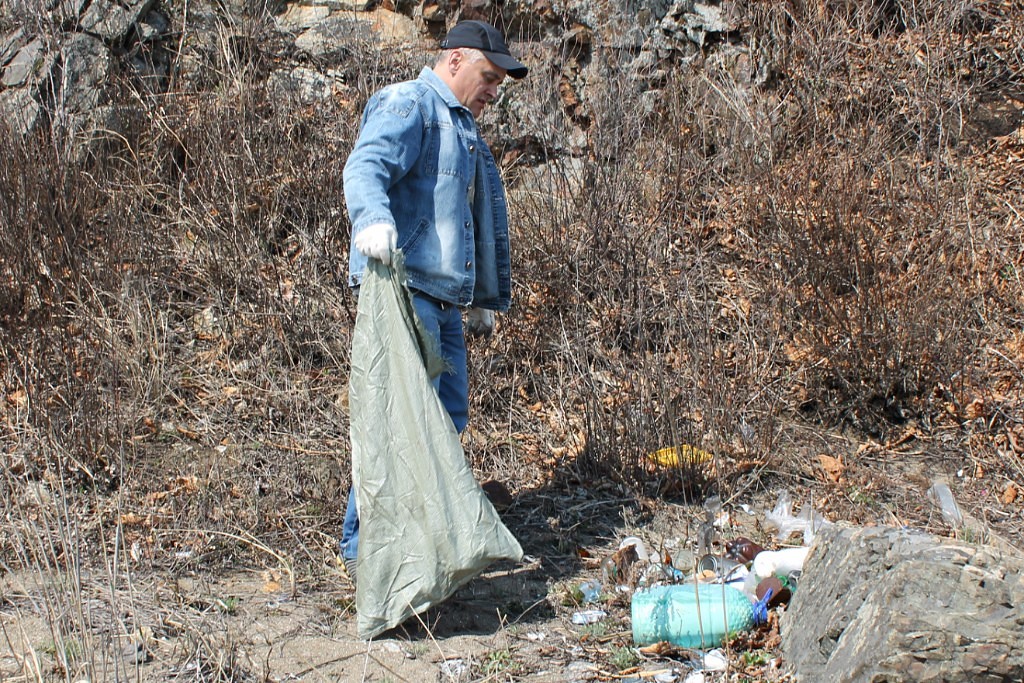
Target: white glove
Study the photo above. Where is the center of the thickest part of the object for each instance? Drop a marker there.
(480, 322)
(377, 241)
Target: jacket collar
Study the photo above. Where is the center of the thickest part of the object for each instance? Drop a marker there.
(428, 76)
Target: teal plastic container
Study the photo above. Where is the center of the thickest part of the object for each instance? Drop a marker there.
(690, 615)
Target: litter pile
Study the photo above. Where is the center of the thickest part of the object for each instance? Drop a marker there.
(703, 597)
(864, 603)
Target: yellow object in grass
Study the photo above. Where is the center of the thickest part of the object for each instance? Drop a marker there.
(679, 456)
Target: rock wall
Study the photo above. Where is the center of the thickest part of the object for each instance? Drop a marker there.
(59, 67)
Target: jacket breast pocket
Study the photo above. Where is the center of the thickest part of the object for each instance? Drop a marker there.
(446, 150)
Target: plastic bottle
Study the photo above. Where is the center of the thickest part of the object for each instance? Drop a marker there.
(781, 563)
(638, 546)
(742, 549)
(590, 590)
(940, 494)
(588, 616)
(691, 615)
(782, 518)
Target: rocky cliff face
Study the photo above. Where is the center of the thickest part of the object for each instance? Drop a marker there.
(61, 68)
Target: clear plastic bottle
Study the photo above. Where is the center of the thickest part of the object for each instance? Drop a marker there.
(690, 615)
(940, 494)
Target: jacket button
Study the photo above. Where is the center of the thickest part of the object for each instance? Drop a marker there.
(469, 264)
(472, 148)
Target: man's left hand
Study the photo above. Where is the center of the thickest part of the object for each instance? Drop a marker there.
(480, 322)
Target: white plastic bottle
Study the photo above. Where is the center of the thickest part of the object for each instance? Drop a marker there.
(781, 563)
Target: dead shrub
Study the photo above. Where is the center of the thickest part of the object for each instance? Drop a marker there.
(632, 330)
(864, 207)
(185, 291)
(700, 250)
(869, 286)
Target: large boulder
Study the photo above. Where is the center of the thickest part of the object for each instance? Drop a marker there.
(10, 44)
(884, 604)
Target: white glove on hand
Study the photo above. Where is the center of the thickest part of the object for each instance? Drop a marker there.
(377, 241)
(480, 322)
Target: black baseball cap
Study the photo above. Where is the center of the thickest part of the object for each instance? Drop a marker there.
(487, 39)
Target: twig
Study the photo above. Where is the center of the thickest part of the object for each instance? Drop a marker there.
(298, 449)
(1016, 367)
(246, 537)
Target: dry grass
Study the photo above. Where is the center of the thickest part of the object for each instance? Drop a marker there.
(750, 269)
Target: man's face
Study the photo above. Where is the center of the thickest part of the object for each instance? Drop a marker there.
(476, 83)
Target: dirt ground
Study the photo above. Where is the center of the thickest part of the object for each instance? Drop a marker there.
(514, 622)
(278, 618)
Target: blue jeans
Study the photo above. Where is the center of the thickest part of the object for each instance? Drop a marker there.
(444, 322)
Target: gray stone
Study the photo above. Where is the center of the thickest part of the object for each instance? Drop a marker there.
(153, 27)
(62, 11)
(304, 85)
(715, 18)
(28, 62)
(885, 604)
(550, 185)
(86, 68)
(301, 17)
(349, 31)
(604, 14)
(610, 24)
(10, 44)
(694, 21)
(396, 30)
(99, 129)
(153, 69)
(689, 21)
(112, 21)
(333, 36)
(20, 110)
(344, 5)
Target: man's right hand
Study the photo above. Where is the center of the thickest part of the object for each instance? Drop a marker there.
(377, 241)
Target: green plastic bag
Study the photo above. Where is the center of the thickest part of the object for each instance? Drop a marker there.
(425, 525)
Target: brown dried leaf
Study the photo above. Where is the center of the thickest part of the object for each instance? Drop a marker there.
(659, 649)
(1009, 494)
(975, 409)
(833, 467)
(132, 519)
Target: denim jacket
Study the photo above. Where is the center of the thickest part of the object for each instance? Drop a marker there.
(418, 152)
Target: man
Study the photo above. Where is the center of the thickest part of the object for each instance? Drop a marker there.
(421, 179)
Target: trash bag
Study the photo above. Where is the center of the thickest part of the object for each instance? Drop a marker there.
(425, 525)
